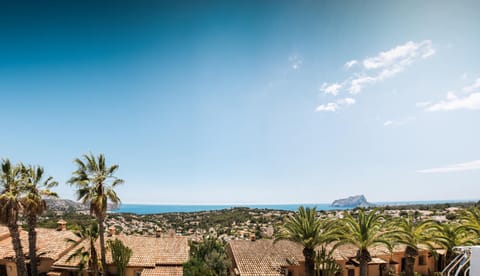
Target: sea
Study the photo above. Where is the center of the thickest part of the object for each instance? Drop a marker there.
(143, 209)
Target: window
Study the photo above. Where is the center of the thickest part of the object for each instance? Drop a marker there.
(351, 272)
(421, 260)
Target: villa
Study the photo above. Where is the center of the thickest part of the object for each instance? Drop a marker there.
(264, 257)
(153, 256)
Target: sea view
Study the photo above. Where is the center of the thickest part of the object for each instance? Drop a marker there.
(143, 209)
(240, 138)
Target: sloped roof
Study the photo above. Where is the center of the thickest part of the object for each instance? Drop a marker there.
(263, 257)
(50, 243)
(147, 251)
(163, 271)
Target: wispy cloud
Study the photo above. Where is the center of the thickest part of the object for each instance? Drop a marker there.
(399, 122)
(332, 88)
(351, 63)
(467, 166)
(454, 102)
(377, 68)
(334, 106)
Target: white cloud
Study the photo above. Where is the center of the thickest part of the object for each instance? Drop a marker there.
(296, 61)
(471, 102)
(390, 63)
(346, 101)
(332, 107)
(399, 122)
(467, 166)
(378, 68)
(401, 54)
(351, 63)
(330, 88)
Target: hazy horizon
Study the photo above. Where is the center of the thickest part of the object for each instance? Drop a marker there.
(248, 101)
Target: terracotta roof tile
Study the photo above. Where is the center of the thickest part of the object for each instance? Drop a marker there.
(163, 271)
(147, 251)
(50, 243)
(263, 257)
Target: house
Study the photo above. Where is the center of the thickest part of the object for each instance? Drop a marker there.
(264, 257)
(152, 256)
(51, 246)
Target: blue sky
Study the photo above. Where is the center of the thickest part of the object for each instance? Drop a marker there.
(248, 101)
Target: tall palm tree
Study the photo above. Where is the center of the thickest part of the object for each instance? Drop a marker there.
(11, 184)
(35, 189)
(87, 256)
(364, 230)
(309, 231)
(413, 234)
(470, 220)
(449, 235)
(95, 183)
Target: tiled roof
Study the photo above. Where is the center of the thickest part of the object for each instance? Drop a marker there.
(4, 232)
(163, 271)
(263, 257)
(50, 243)
(147, 251)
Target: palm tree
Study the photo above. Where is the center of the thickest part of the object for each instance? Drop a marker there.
(95, 183)
(309, 231)
(449, 235)
(364, 230)
(413, 234)
(87, 256)
(11, 184)
(36, 187)
(471, 220)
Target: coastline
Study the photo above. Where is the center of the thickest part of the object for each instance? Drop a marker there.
(143, 209)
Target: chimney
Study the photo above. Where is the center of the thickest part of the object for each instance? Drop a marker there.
(111, 230)
(158, 233)
(61, 225)
(252, 237)
(171, 233)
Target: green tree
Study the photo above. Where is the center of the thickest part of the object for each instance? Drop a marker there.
(309, 231)
(36, 187)
(87, 255)
(120, 255)
(207, 258)
(470, 220)
(325, 263)
(95, 182)
(449, 235)
(413, 233)
(364, 230)
(11, 185)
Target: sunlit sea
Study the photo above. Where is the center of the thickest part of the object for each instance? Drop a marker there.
(158, 209)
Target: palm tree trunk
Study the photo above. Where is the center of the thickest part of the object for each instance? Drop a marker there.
(32, 244)
(93, 258)
(17, 247)
(101, 232)
(409, 269)
(364, 257)
(309, 255)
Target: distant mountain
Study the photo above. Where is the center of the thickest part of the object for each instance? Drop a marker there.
(58, 204)
(67, 205)
(352, 201)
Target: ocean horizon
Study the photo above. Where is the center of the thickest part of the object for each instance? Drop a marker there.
(144, 209)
